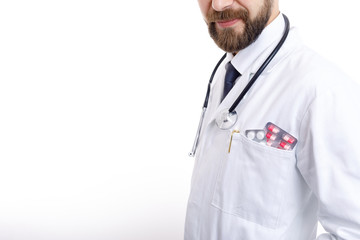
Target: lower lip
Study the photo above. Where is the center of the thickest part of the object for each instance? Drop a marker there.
(227, 23)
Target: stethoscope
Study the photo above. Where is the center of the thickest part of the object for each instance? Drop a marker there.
(228, 117)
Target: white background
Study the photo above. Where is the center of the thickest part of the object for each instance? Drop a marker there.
(99, 104)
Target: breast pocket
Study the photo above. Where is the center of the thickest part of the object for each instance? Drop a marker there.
(252, 181)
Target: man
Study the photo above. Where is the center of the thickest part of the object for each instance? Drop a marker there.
(306, 169)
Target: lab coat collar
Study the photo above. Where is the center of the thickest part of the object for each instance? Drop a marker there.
(271, 34)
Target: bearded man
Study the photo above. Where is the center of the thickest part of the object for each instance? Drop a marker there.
(278, 146)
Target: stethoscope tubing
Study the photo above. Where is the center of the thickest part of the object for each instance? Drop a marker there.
(246, 89)
(263, 66)
(211, 79)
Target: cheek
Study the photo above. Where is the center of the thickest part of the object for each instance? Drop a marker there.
(253, 7)
(204, 5)
(250, 5)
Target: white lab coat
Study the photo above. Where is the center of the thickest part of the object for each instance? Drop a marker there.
(256, 192)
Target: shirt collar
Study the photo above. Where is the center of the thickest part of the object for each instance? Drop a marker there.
(272, 33)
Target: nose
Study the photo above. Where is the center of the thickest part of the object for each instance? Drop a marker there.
(221, 5)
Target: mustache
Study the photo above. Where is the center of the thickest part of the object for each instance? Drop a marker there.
(229, 14)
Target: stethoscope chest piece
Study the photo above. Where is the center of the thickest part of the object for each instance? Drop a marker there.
(225, 119)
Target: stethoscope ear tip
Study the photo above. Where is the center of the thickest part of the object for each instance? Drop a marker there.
(191, 154)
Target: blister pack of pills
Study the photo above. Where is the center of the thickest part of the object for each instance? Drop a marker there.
(272, 136)
(278, 138)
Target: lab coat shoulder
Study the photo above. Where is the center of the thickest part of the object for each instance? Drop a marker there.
(322, 75)
(328, 153)
(311, 73)
(313, 77)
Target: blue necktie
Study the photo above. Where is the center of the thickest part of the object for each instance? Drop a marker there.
(231, 75)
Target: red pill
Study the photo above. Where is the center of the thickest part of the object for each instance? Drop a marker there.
(269, 142)
(273, 128)
(270, 136)
(289, 138)
(284, 145)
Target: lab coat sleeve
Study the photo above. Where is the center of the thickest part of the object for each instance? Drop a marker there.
(328, 157)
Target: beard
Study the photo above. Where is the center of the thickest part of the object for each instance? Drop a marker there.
(228, 39)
